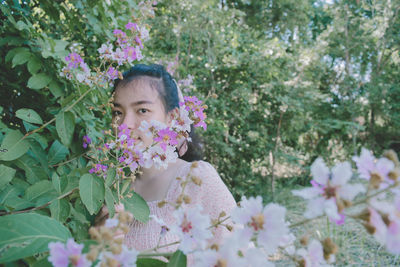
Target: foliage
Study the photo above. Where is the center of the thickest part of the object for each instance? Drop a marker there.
(284, 83)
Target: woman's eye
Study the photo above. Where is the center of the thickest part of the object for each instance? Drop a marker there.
(116, 113)
(143, 111)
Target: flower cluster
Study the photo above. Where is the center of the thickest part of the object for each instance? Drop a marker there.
(130, 152)
(126, 48)
(109, 249)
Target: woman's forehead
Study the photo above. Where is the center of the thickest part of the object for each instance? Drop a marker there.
(141, 88)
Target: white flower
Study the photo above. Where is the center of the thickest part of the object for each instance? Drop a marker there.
(228, 253)
(111, 223)
(192, 228)
(314, 255)
(150, 128)
(328, 189)
(269, 221)
(127, 258)
(183, 122)
(156, 156)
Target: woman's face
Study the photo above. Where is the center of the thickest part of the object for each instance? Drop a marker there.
(137, 101)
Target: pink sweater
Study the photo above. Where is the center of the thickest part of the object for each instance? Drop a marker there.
(213, 195)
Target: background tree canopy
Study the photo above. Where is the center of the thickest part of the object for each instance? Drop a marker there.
(285, 81)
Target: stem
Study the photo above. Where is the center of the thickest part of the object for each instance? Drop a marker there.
(145, 255)
(40, 207)
(305, 221)
(163, 246)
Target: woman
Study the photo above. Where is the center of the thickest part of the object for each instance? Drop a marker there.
(150, 93)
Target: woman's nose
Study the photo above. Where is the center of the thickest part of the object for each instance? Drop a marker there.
(130, 121)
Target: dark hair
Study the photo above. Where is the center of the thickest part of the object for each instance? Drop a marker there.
(168, 90)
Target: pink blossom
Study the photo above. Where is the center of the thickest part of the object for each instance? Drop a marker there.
(86, 141)
(156, 156)
(130, 53)
(268, 222)
(62, 255)
(367, 165)
(127, 258)
(314, 255)
(112, 73)
(328, 189)
(166, 137)
(139, 42)
(131, 25)
(74, 60)
(191, 227)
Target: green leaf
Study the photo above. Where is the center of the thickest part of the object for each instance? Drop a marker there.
(23, 235)
(15, 51)
(17, 203)
(138, 207)
(178, 259)
(60, 209)
(145, 262)
(91, 190)
(13, 146)
(110, 202)
(59, 183)
(39, 190)
(21, 58)
(110, 176)
(56, 89)
(33, 172)
(38, 81)
(57, 153)
(34, 65)
(65, 124)
(6, 175)
(29, 115)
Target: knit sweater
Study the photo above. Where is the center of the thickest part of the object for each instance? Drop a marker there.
(212, 195)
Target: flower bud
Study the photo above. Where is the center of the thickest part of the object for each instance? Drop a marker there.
(370, 228)
(179, 200)
(94, 233)
(214, 247)
(195, 164)
(106, 234)
(196, 180)
(375, 180)
(214, 95)
(229, 227)
(125, 229)
(221, 263)
(304, 240)
(392, 155)
(394, 174)
(93, 253)
(112, 262)
(222, 214)
(301, 263)
(329, 248)
(364, 215)
(161, 203)
(116, 249)
(186, 199)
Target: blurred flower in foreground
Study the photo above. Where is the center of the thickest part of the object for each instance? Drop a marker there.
(330, 193)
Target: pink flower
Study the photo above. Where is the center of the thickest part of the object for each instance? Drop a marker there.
(127, 258)
(329, 189)
(74, 60)
(314, 255)
(62, 255)
(192, 228)
(131, 25)
(156, 156)
(121, 36)
(368, 165)
(112, 74)
(139, 42)
(166, 137)
(86, 141)
(268, 222)
(130, 54)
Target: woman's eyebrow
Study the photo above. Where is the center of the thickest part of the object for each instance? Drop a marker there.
(136, 103)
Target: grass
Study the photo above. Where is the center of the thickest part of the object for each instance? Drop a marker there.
(356, 246)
